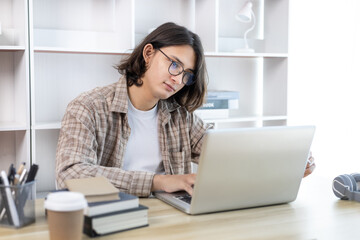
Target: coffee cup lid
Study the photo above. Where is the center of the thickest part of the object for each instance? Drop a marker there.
(65, 201)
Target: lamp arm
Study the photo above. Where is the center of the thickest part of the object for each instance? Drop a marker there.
(250, 29)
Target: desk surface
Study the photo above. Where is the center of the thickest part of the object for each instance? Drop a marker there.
(316, 214)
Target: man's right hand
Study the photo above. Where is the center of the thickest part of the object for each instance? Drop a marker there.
(174, 183)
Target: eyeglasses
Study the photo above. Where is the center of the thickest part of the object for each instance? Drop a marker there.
(175, 69)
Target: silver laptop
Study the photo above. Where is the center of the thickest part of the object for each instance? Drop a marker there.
(243, 168)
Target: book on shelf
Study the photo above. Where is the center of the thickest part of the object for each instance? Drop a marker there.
(218, 104)
(125, 201)
(212, 103)
(116, 221)
(212, 113)
(95, 189)
(222, 94)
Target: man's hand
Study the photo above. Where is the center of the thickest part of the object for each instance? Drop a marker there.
(173, 183)
(310, 166)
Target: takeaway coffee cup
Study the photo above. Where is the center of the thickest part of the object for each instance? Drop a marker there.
(65, 215)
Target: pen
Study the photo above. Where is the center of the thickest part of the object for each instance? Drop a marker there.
(3, 211)
(18, 173)
(10, 201)
(22, 176)
(21, 168)
(32, 173)
(11, 174)
(16, 179)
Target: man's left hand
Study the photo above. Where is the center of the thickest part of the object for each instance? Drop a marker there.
(310, 166)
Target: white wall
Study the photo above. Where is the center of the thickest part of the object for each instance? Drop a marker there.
(324, 80)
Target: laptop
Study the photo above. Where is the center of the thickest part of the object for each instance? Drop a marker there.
(245, 168)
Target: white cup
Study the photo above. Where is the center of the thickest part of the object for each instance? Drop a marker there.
(65, 215)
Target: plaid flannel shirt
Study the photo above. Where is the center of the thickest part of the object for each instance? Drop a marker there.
(95, 132)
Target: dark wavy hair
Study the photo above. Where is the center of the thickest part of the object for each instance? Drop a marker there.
(170, 34)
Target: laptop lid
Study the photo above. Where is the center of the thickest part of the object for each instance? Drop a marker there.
(250, 167)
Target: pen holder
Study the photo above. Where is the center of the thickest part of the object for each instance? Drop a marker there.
(17, 205)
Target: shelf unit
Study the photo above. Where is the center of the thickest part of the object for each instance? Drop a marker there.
(260, 77)
(69, 53)
(14, 84)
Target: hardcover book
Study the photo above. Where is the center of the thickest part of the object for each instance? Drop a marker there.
(116, 221)
(95, 189)
(126, 201)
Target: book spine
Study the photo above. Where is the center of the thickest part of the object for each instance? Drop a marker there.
(221, 104)
(88, 227)
(215, 104)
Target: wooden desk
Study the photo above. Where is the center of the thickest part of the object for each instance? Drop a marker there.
(316, 214)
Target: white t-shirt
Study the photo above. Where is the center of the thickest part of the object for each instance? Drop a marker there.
(143, 151)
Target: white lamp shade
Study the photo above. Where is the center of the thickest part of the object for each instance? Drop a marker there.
(244, 15)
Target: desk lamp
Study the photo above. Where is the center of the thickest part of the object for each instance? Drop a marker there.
(245, 15)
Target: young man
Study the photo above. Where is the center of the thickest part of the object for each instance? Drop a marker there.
(141, 132)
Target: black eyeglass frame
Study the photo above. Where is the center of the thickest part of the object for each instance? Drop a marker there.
(191, 75)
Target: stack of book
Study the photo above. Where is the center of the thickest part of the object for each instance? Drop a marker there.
(109, 210)
(218, 104)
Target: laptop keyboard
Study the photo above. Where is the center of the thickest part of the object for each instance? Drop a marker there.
(184, 198)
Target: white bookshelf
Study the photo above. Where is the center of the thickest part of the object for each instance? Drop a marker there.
(246, 55)
(14, 84)
(84, 51)
(75, 44)
(12, 48)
